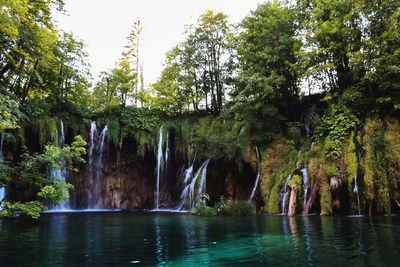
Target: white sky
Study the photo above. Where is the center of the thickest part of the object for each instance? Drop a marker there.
(104, 25)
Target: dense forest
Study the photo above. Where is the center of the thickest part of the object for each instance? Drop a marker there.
(302, 97)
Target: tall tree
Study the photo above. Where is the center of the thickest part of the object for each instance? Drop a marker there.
(132, 55)
(267, 49)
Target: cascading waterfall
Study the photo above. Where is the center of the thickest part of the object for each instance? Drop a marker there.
(61, 172)
(304, 173)
(166, 154)
(202, 185)
(355, 190)
(93, 129)
(90, 167)
(253, 192)
(284, 193)
(159, 166)
(189, 196)
(95, 156)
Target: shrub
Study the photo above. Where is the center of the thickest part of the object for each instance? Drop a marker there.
(15, 209)
(204, 210)
(234, 208)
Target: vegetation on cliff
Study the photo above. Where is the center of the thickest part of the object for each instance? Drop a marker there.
(315, 82)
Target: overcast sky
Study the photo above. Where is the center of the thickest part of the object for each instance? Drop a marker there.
(105, 24)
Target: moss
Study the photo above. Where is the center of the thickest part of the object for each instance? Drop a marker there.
(114, 131)
(350, 159)
(278, 161)
(392, 138)
(326, 197)
(331, 170)
(47, 128)
(376, 167)
(295, 181)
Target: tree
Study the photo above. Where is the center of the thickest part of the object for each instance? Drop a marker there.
(267, 78)
(198, 71)
(132, 55)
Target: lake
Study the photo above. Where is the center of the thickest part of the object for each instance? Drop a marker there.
(126, 239)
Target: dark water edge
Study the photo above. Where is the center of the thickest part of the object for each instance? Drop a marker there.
(125, 239)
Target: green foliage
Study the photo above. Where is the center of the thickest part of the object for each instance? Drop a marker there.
(199, 70)
(350, 159)
(31, 209)
(336, 126)
(56, 192)
(5, 173)
(278, 162)
(134, 119)
(204, 210)
(234, 208)
(267, 77)
(331, 170)
(9, 113)
(326, 197)
(295, 181)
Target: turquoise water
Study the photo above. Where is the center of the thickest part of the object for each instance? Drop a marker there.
(122, 239)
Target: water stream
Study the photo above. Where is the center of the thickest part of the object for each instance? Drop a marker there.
(60, 172)
(159, 168)
(94, 166)
(253, 192)
(192, 192)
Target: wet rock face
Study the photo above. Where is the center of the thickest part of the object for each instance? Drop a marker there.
(128, 180)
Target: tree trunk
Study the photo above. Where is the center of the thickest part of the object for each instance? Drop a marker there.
(311, 199)
(292, 201)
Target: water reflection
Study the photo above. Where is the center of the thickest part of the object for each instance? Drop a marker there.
(184, 240)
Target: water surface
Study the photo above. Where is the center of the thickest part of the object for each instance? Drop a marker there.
(122, 239)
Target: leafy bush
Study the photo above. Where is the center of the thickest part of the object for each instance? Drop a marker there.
(15, 209)
(204, 210)
(56, 192)
(234, 208)
(134, 119)
(336, 126)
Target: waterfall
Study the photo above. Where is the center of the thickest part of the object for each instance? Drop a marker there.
(355, 190)
(284, 193)
(93, 129)
(159, 166)
(61, 172)
(189, 196)
(304, 173)
(166, 154)
(203, 181)
(103, 139)
(257, 178)
(94, 167)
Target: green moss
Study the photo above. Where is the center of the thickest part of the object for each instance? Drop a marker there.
(278, 162)
(350, 159)
(47, 128)
(325, 192)
(331, 170)
(295, 181)
(114, 131)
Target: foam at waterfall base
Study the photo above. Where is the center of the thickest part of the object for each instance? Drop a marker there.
(81, 210)
(169, 211)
